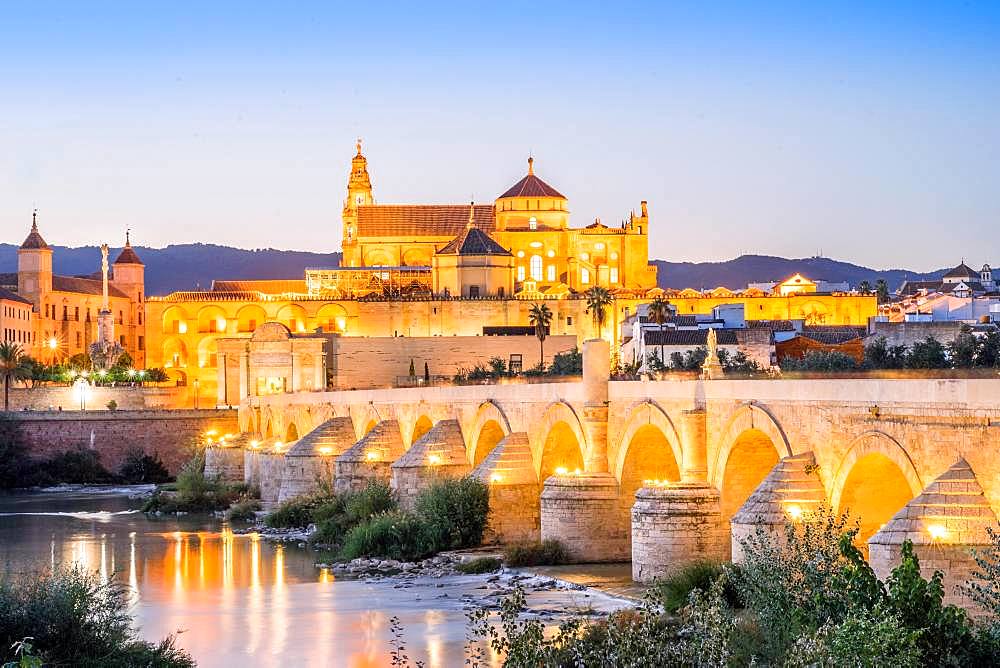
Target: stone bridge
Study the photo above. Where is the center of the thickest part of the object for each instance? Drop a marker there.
(661, 471)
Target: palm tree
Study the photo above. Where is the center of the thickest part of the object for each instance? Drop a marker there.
(598, 301)
(864, 287)
(11, 366)
(540, 317)
(659, 312)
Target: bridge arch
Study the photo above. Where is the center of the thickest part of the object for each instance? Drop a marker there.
(488, 427)
(875, 479)
(560, 441)
(421, 426)
(750, 445)
(649, 448)
(291, 433)
(364, 417)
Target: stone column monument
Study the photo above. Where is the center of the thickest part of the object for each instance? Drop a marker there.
(105, 351)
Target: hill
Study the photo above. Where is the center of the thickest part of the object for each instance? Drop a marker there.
(194, 266)
(186, 266)
(740, 271)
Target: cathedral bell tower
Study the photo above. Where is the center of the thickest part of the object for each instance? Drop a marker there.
(359, 193)
(34, 266)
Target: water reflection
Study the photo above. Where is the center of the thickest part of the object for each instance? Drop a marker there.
(228, 597)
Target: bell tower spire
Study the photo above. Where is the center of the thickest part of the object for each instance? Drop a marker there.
(359, 193)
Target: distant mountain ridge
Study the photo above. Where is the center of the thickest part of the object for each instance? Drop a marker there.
(738, 272)
(195, 266)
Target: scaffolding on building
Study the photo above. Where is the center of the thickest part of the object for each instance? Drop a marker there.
(369, 282)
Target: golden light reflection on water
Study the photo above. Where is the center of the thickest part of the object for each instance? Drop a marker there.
(230, 597)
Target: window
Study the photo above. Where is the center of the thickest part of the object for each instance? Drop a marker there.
(500, 293)
(78, 339)
(569, 320)
(474, 291)
(520, 273)
(584, 256)
(516, 364)
(142, 343)
(584, 276)
(76, 313)
(532, 223)
(614, 274)
(598, 246)
(65, 312)
(536, 267)
(140, 317)
(520, 253)
(551, 273)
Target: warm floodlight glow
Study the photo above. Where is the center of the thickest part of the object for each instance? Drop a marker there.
(937, 531)
(794, 511)
(371, 455)
(211, 432)
(326, 450)
(561, 470)
(434, 459)
(53, 343)
(254, 445)
(496, 477)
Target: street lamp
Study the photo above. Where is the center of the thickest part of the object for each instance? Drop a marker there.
(81, 387)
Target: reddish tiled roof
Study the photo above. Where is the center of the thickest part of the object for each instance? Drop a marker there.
(12, 297)
(128, 256)
(34, 240)
(83, 286)
(532, 186)
(271, 287)
(421, 220)
(473, 241)
(688, 337)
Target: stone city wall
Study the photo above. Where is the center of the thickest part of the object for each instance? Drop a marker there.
(54, 397)
(363, 362)
(168, 434)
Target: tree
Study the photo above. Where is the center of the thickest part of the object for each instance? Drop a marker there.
(427, 374)
(882, 291)
(12, 366)
(927, 354)
(659, 312)
(880, 355)
(413, 372)
(598, 301)
(989, 350)
(963, 349)
(864, 287)
(540, 317)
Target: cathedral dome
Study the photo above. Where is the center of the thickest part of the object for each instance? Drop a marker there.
(532, 186)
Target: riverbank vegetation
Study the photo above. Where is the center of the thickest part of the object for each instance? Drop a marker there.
(808, 600)
(450, 514)
(194, 492)
(71, 618)
(545, 553)
(79, 466)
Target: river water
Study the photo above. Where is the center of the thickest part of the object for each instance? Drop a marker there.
(236, 600)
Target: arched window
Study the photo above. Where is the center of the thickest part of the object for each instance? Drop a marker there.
(520, 272)
(536, 267)
(584, 276)
(551, 273)
(532, 223)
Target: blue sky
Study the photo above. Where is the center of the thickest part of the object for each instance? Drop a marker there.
(870, 133)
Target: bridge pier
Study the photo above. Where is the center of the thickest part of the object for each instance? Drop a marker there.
(225, 462)
(440, 453)
(369, 458)
(514, 491)
(310, 462)
(945, 523)
(678, 523)
(791, 489)
(584, 511)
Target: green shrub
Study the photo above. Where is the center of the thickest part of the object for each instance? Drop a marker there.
(674, 591)
(479, 565)
(454, 511)
(139, 468)
(74, 619)
(391, 535)
(195, 492)
(546, 553)
(244, 510)
(295, 512)
(335, 517)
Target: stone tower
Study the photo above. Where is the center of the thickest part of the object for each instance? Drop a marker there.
(359, 193)
(34, 266)
(129, 276)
